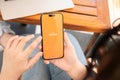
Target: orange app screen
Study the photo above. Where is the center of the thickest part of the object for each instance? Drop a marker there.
(52, 33)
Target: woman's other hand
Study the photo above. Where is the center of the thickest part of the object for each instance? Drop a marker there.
(16, 58)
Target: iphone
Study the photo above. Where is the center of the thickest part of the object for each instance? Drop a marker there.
(52, 34)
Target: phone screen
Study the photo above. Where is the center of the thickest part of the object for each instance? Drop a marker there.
(52, 33)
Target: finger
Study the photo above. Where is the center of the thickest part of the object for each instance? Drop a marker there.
(32, 46)
(46, 61)
(24, 41)
(39, 47)
(34, 60)
(16, 42)
(10, 41)
(67, 40)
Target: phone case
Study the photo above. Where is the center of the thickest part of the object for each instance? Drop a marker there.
(52, 33)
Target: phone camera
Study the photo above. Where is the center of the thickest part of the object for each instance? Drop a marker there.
(51, 15)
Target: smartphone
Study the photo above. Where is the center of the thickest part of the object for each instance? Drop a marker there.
(52, 34)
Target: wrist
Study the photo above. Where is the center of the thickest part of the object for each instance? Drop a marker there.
(78, 72)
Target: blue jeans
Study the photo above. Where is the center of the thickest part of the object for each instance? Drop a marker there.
(41, 71)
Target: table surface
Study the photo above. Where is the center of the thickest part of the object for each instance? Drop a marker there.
(87, 15)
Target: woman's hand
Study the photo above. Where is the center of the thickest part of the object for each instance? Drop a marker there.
(16, 58)
(69, 58)
(69, 63)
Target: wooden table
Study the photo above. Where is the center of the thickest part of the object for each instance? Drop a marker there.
(87, 15)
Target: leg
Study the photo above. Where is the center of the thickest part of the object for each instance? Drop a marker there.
(58, 74)
(38, 72)
(78, 49)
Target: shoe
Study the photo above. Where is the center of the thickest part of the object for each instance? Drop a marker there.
(5, 27)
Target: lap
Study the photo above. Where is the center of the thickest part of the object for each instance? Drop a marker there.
(41, 71)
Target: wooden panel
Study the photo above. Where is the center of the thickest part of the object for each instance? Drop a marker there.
(85, 2)
(83, 10)
(103, 12)
(84, 22)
